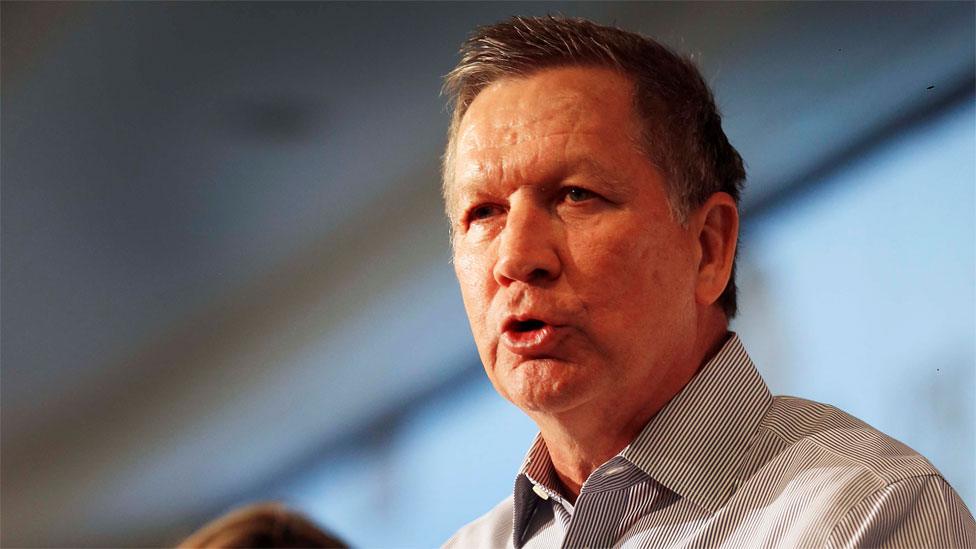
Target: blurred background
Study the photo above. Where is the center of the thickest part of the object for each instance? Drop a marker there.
(225, 272)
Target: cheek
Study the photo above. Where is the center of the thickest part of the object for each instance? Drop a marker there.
(614, 262)
(648, 276)
(474, 278)
(472, 273)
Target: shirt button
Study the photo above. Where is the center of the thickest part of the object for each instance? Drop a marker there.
(540, 491)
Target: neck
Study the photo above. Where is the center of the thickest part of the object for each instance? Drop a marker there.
(583, 439)
(578, 449)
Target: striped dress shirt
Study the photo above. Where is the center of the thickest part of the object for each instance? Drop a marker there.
(726, 464)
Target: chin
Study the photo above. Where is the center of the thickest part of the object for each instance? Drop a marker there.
(543, 386)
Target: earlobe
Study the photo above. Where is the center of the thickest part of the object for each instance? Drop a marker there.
(717, 224)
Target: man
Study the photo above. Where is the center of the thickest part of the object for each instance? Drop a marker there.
(592, 196)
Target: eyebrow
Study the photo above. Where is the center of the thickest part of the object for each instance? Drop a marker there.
(584, 165)
(592, 167)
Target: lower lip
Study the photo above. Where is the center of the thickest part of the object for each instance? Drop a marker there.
(533, 342)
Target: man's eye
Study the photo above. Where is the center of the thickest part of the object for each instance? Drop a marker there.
(483, 212)
(576, 194)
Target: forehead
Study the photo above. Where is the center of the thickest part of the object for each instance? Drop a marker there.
(549, 116)
(579, 99)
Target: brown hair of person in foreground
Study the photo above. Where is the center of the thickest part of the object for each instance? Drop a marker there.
(260, 525)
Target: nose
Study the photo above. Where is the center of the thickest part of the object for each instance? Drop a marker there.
(527, 250)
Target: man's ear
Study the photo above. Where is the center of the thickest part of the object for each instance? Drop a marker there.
(717, 225)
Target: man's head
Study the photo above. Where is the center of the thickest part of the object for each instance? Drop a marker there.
(589, 276)
(681, 129)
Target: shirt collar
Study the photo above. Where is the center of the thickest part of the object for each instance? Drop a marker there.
(533, 484)
(693, 446)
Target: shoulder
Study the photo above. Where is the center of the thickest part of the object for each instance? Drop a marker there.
(493, 529)
(845, 441)
(869, 489)
(916, 512)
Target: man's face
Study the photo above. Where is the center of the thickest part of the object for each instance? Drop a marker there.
(578, 284)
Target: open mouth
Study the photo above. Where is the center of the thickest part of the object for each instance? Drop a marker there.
(522, 326)
(530, 336)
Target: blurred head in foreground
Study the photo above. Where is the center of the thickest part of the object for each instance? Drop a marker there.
(260, 525)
